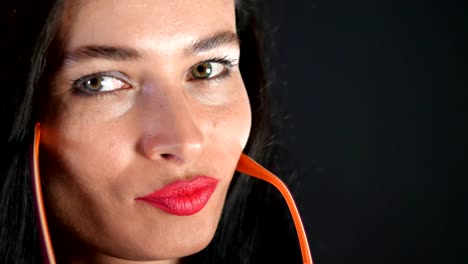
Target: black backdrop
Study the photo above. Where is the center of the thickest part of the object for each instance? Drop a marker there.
(372, 97)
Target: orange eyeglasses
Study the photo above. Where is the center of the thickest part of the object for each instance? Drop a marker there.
(245, 165)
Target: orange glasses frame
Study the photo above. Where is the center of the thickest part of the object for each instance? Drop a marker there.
(245, 165)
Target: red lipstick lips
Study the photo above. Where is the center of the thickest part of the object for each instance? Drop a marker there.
(183, 197)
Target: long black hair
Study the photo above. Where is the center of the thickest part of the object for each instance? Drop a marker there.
(255, 225)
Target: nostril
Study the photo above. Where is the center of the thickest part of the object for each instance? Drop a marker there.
(166, 156)
(169, 156)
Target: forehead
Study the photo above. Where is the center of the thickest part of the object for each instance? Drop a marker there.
(156, 25)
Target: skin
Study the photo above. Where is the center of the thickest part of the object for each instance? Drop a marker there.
(100, 151)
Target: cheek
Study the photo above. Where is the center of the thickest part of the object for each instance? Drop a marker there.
(81, 168)
(236, 120)
(78, 154)
(244, 122)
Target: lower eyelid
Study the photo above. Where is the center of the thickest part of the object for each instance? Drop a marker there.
(215, 80)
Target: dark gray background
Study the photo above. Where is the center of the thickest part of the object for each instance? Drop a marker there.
(373, 101)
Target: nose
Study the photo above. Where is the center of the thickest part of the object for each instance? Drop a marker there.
(173, 131)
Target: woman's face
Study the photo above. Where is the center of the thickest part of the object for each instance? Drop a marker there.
(148, 94)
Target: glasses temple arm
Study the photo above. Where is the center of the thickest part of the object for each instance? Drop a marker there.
(248, 166)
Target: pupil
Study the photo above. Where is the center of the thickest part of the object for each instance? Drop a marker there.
(94, 83)
(201, 69)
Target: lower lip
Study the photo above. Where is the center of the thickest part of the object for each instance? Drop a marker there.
(183, 197)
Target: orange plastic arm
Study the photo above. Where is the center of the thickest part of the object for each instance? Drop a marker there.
(248, 166)
(49, 256)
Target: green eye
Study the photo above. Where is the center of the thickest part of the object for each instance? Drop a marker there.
(202, 70)
(207, 70)
(98, 82)
(93, 84)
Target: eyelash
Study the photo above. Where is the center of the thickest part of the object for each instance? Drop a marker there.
(229, 64)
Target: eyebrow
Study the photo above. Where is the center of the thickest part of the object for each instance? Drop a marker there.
(219, 39)
(123, 53)
(116, 53)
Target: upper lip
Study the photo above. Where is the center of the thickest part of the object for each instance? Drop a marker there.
(179, 187)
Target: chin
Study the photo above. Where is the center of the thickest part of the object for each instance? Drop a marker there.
(156, 248)
(178, 251)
